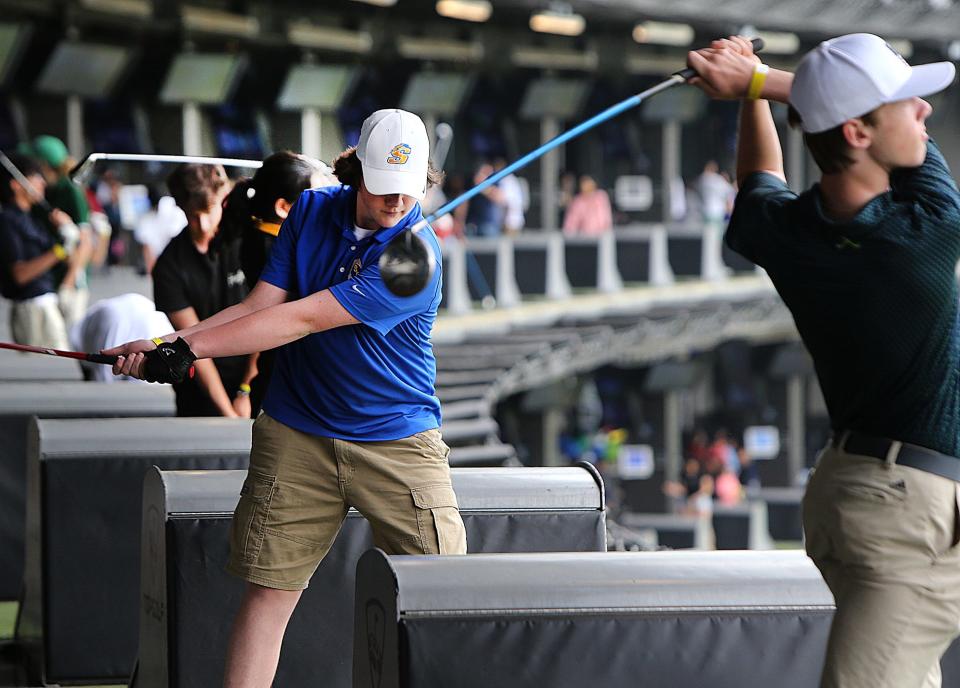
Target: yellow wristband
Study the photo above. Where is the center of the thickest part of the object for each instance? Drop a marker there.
(59, 251)
(157, 340)
(757, 81)
(243, 389)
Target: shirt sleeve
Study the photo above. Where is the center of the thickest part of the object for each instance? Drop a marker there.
(169, 290)
(931, 185)
(754, 222)
(367, 298)
(281, 267)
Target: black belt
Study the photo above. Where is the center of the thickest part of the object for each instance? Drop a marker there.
(910, 455)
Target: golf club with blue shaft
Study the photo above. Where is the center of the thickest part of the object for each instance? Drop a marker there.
(407, 264)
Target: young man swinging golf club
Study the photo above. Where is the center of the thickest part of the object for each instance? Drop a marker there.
(866, 261)
(350, 417)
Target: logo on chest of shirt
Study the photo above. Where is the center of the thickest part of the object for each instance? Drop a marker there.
(356, 267)
(236, 278)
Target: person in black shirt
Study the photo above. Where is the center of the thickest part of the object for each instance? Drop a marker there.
(252, 215)
(197, 275)
(28, 255)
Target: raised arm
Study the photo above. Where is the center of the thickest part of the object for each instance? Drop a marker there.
(727, 70)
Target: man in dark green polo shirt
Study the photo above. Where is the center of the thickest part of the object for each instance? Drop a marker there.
(866, 261)
(63, 193)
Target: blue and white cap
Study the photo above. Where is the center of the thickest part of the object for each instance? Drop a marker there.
(394, 151)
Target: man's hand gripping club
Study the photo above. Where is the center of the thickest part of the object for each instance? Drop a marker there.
(165, 362)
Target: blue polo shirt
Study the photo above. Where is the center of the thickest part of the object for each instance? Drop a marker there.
(367, 382)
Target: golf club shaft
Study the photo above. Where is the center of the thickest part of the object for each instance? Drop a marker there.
(24, 182)
(677, 78)
(79, 355)
(86, 166)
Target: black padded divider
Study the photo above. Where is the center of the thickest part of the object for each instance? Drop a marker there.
(19, 401)
(674, 531)
(775, 472)
(80, 615)
(784, 512)
(684, 253)
(681, 619)
(487, 260)
(633, 259)
(581, 258)
(531, 268)
(189, 601)
(645, 495)
(741, 526)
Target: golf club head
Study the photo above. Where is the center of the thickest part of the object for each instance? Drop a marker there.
(407, 265)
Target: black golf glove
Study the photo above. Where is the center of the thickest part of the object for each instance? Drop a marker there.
(169, 362)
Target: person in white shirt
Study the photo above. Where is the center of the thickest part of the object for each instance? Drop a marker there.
(158, 226)
(111, 322)
(512, 190)
(716, 193)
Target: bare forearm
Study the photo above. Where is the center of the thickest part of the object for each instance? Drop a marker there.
(270, 327)
(777, 86)
(25, 271)
(758, 145)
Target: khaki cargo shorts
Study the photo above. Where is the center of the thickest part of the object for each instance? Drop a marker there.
(300, 486)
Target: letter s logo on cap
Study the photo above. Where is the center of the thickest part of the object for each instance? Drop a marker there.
(399, 154)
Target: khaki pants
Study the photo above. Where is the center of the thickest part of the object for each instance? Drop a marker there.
(38, 322)
(73, 304)
(300, 486)
(884, 537)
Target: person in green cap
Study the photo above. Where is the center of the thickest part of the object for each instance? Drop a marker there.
(63, 193)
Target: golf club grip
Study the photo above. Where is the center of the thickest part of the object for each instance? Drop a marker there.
(101, 358)
(689, 72)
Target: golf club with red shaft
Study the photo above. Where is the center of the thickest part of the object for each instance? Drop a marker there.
(79, 355)
(407, 264)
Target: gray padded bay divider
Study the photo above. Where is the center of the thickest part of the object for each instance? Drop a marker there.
(80, 614)
(188, 600)
(680, 619)
(19, 401)
(743, 526)
(21, 367)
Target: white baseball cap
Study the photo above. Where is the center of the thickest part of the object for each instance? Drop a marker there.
(393, 151)
(851, 75)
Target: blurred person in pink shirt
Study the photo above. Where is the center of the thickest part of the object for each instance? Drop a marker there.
(589, 213)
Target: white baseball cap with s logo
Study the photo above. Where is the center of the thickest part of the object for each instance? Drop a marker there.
(393, 152)
(852, 75)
